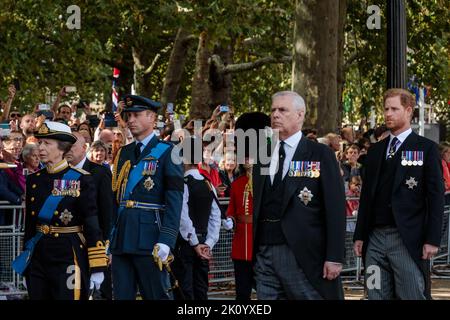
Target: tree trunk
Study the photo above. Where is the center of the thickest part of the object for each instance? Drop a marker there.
(340, 60)
(221, 83)
(142, 83)
(175, 68)
(201, 91)
(315, 61)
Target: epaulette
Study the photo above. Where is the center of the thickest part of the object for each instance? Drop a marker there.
(82, 171)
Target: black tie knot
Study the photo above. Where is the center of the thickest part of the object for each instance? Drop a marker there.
(137, 150)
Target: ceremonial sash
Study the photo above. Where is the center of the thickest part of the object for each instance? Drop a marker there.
(45, 215)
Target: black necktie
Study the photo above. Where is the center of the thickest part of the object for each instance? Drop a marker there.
(392, 147)
(137, 150)
(281, 157)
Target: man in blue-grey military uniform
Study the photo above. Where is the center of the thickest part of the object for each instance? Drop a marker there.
(148, 186)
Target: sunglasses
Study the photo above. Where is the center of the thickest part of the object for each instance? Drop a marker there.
(15, 115)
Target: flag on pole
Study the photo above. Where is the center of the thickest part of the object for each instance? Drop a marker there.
(115, 95)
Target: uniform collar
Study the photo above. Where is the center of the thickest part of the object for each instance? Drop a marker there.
(58, 167)
(147, 139)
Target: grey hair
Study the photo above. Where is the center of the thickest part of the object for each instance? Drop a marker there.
(28, 149)
(297, 100)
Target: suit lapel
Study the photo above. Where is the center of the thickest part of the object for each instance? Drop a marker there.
(379, 157)
(87, 165)
(259, 180)
(400, 171)
(302, 153)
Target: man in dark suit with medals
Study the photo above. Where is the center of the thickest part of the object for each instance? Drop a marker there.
(299, 212)
(102, 180)
(401, 207)
(64, 254)
(148, 185)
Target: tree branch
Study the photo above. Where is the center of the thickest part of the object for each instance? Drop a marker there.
(241, 67)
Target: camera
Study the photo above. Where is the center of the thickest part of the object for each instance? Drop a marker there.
(82, 104)
(170, 107)
(224, 108)
(110, 121)
(69, 89)
(5, 129)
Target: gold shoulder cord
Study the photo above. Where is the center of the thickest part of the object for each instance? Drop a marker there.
(123, 180)
(114, 173)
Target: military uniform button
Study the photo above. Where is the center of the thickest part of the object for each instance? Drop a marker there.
(81, 246)
(32, 199)
(33, 186)
(57, 225)
(56, 235)
(33, 213)
(56, 213)
(38, 174)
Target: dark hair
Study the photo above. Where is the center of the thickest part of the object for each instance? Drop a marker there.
(64, 146)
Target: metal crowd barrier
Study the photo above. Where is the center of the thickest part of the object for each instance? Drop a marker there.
(11, 241)
(440, 264)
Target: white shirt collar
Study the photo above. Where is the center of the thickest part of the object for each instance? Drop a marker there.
(146, 140)
(80, 164)
(194, 173)
(293, 140)
(402, 136)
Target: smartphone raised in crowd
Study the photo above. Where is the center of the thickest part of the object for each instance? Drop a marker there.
(69, 89)
(224, 108)
(170, 107)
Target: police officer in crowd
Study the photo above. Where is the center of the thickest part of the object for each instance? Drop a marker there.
(148, 185)
(64, 254)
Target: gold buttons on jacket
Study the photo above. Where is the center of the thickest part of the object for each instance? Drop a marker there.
(38, 174)
(33, 213)
(56, 235)
(32, 199)
(33, 186)
(56, 213)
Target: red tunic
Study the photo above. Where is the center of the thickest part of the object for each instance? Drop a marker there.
(242, 247)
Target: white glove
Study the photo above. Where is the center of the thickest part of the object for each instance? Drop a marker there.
(227, 223)
(96, 279)
(163, 251)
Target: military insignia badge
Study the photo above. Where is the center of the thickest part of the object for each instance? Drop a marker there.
(129, 102)
(305, 196)
(411, 183)
(43, 129)
(65, 217)
(148, 184)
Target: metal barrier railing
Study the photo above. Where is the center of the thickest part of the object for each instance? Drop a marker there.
(11, 241)
(221, 267)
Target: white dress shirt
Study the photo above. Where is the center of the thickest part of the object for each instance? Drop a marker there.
(187, 229)
(80, 164)
(290, 146)
(146, 140)
(401, 137)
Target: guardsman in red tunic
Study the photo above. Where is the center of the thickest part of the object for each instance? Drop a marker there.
(240, 217)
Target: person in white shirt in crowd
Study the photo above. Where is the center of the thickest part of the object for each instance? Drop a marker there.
(199, 230)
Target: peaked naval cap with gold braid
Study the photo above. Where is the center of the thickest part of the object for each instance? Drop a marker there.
(55, 130)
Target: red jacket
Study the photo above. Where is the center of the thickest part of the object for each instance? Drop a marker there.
(446, 174)
(242, 246)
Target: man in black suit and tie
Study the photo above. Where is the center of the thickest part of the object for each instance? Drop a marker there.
(102, 179)
(299, 212)
(401, 207)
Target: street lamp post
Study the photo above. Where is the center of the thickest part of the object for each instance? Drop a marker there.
(396, 46)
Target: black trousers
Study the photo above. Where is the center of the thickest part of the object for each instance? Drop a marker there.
(244, 278)
(191, 272)
(58, 270)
